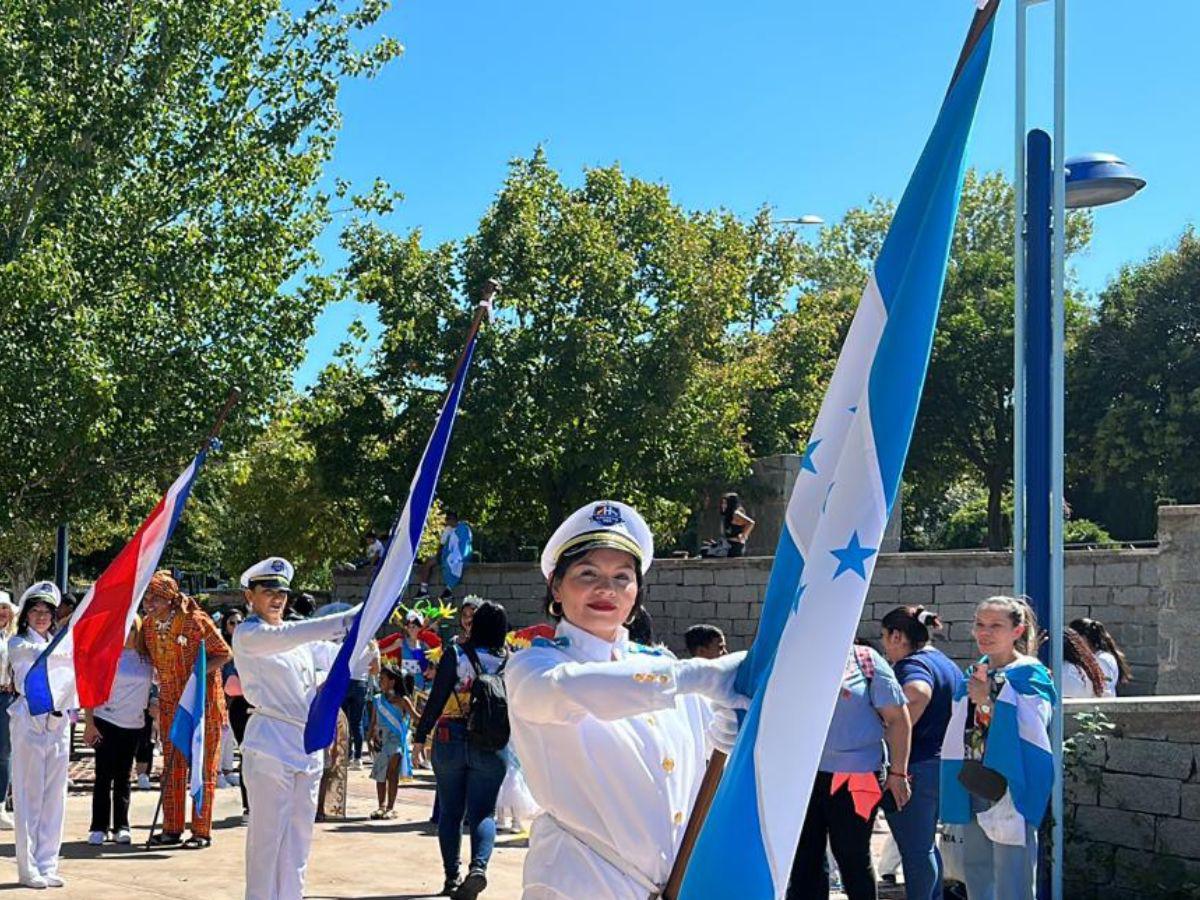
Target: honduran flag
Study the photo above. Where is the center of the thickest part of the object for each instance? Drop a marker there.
(78, 668)
(848, 482)
(1018, 744)
(391, 577)
(187, 728)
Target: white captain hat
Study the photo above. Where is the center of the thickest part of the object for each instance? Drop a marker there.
(41, 592)
(273, 572)
(603, 523)
(6, 600)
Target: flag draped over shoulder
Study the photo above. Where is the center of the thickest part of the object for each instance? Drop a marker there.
(391, 578)
(849, 479)
(187, 728)
(1018, 745)
(78, 668)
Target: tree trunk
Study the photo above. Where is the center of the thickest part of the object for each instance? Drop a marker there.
(995, 517)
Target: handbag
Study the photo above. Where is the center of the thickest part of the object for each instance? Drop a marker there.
(981, 781)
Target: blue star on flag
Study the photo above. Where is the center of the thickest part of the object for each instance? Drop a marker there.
(807, 462)
(851, 557)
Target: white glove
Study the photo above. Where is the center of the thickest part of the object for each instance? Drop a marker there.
(723, 729)
(712, 678)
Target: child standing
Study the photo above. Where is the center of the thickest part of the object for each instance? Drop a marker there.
(391, 720)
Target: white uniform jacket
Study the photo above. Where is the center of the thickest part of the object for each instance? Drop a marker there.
(281, 667)
(23, 651)
(612, 754)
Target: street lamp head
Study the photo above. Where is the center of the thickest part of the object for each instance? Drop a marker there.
(1097, 179)
(800, 220)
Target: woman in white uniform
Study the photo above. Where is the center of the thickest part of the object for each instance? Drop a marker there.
(280, 665)
(611, 734)
(40, 748)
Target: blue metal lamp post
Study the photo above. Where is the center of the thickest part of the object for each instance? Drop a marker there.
(1044, 191)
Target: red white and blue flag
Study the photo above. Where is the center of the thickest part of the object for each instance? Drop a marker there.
(78, 668)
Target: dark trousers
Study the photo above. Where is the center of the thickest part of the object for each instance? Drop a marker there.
(144, 752)
(354, 705)
(468, 780)
(114, 763)
(849, 835)
(239, 715)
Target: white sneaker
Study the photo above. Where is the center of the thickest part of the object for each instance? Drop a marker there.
(222, 781)
(6, 821)
(96, 838)
(246, 818)
(53, 879)
(124, 837)
(143, 782)
(37, 882)
(517, 827)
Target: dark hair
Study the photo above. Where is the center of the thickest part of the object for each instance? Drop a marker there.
(1098, 637)
(452, 514)
(561, 570)
(489, 628)
(701, 636)
(641, 627)
(393, 673)
(1020, 613)
(225, 630)
(303, 604)
(23, 618)
(733, 505)
(914, 622)
(408, 684)
(1077, 652)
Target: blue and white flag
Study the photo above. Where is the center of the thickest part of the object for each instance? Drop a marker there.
(391, 577)
(187, 728)
(849, 480)
(1018, 744)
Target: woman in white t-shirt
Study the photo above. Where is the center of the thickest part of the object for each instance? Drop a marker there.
(1082, 675)
(114, 730)
(1108, 654)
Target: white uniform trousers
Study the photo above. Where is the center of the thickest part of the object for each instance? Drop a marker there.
(39, 786)
(283, 808)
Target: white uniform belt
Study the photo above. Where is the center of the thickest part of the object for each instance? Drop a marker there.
(613, 858)
(278, 716)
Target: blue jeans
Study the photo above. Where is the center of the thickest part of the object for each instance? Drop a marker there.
(354, 705)
(468, 780)
(914, 829)
(998, 871)
(5, 746)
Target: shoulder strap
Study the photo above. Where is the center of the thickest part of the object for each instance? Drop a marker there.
(866, 662)
(474, 659)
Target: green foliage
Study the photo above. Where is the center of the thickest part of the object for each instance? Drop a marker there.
(159, 163)
(1134, 393)
(620, 361)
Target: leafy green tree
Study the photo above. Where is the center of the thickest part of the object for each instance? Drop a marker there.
(964, 427)
(615, 363)
(159, 170)
(1134, 394)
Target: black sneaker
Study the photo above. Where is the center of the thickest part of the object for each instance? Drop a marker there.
(450, 888)
(473, 885)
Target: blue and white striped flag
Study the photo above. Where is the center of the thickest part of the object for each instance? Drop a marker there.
(835, 520)
(187, 728)
(391, 578)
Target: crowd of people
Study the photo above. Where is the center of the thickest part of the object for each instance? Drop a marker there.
(594, 741)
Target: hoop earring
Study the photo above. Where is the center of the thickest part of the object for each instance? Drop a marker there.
(557, 613)
(632, 617)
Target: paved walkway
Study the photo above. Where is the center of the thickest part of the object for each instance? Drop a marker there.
(357, 858)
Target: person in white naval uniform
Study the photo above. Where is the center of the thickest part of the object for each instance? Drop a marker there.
(611, 734)
(40, 748)
(280, 665)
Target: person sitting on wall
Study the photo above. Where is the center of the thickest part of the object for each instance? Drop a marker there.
(735, 530)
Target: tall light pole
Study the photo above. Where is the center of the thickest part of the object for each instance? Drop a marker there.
(1038, 445)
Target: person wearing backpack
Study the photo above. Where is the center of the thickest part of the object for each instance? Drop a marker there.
(467, 713)
(852, 782)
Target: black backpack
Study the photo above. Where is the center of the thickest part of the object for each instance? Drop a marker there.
(487, 719)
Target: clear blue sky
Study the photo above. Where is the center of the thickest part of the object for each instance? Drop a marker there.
(807, 106)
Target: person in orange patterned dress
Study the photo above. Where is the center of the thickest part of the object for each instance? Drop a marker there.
(175, 627)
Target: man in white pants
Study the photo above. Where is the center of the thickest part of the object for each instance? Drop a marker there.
(280, 665)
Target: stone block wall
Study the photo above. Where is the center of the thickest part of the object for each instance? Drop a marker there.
(1132, 814)
(1119, 587)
